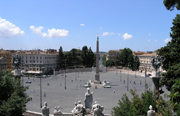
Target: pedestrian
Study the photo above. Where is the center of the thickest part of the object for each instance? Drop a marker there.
(44, 94)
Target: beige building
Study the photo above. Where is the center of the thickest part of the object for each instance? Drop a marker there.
(113, 54)
(145, 61)
(35, 61)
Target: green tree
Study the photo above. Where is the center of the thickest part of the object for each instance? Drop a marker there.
(138, 106)
(126, 58)
(136, 63)
(171, 60)
(109, 63)
(84, 55)
(90, 58)
(60, 58)
(130, 61)
(104, 60)
(123, 108)
(13, 97)
(170, 4)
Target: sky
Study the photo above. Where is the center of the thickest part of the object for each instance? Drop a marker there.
(141, 25)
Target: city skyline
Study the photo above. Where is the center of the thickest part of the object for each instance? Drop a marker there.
(138, 25)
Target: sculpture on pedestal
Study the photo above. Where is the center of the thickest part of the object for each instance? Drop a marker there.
(88, 99)
(16, 61)
(156, 62)
(78, 109)
(97, 109)
(57, 111)
(45, 110)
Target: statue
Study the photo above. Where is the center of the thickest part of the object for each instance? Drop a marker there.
(156, 62)
(57, 111)
(151, 112)
(45, 110)
(97, 109)
(88, 99)
(78, 109)
(16, 61)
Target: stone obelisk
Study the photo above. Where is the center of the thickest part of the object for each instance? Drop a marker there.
(97, 80)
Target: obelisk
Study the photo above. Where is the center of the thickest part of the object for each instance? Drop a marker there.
(97, 80)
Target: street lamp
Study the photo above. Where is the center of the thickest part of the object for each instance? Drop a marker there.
(128, 81)
(145, 79)
(75, 74)
(120, 75)
(65, 76)
(40, 91)
(65, 79)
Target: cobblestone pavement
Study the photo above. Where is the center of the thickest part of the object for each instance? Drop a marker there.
(57, 95)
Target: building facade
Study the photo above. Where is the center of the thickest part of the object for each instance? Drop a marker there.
(113, 54)
(145, 61)
(7, 54)
(37, 61)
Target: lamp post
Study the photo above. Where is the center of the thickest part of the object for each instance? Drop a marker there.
(75, 74)
(145, 80)
(128, 81)
(40, 91)
(65, 79)
(120, 75)
(65, 76)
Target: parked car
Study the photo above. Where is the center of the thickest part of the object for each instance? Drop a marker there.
(28, 81)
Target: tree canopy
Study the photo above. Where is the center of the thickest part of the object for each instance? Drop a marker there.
(170, 4)
(138, 106)
(171, 61)
(13, 97)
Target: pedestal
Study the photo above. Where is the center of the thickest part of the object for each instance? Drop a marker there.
(155, 82)
(17, 74)
(97, 81)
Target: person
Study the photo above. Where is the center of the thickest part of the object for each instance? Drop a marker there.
(88, 99)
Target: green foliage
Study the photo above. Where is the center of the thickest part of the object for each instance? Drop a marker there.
(136, 63)
(123, 108)
(137, 106)
(104, 60)
(110, 63)
(127, 59)
(60, 58)
(171, 62)
(170, 4)
(76, 58)
(13, 97)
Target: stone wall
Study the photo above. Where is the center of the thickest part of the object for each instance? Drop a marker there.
(31, 113)
(74, 70)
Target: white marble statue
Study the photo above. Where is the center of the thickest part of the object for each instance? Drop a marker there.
(88, 99)
(45, 110)
(78, 108)
(57, 111)
(94, 106)
(151, 112)
(97, 109)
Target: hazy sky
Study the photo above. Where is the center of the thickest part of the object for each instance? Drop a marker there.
(141, 25)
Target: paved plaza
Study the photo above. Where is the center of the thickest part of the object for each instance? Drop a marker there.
(57, 95)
